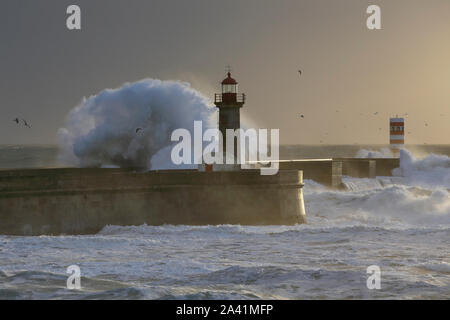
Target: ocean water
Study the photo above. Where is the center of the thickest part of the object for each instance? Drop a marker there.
(400, 223)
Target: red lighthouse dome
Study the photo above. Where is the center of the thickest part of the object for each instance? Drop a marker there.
(229, 93)
(229, 85)
(229, 79)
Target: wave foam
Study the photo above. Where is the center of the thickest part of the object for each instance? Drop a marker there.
(432, 171)
(103, 129)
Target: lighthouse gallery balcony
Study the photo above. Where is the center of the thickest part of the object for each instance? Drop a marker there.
(226, 98)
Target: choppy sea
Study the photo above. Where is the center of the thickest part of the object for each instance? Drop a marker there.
(400, 224)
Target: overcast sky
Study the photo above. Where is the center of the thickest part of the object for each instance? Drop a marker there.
(349, 72)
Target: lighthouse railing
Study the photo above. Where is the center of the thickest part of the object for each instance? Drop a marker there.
(219, 97)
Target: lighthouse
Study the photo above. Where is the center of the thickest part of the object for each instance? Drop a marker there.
(229, 103)
(396, 134)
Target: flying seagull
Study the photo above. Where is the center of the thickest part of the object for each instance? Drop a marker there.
(25, 123)
(138, 129)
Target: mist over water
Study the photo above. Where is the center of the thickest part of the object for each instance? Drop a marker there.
(400, 223)
(382, 153)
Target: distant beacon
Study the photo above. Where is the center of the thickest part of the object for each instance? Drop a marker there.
(397, 134)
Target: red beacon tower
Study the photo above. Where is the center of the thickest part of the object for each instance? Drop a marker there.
(229, 103)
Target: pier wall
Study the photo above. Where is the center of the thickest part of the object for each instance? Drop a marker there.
(324, 171)
(359, 168)
(368, 167)
(329, 172)
(386, 165)
(83, 201)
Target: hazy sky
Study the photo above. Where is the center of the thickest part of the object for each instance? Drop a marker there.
(404, 68)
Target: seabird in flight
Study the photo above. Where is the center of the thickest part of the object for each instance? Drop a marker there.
(25, 123)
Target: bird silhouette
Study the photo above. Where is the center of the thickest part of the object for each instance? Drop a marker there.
(25, 123)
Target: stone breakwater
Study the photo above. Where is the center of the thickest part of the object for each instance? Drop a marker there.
(83, 201)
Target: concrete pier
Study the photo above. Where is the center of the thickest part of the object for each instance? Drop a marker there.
(329, 172)
(358, 168)
(324, 171)
(384, 166)
(368, 167)
(83, 201)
